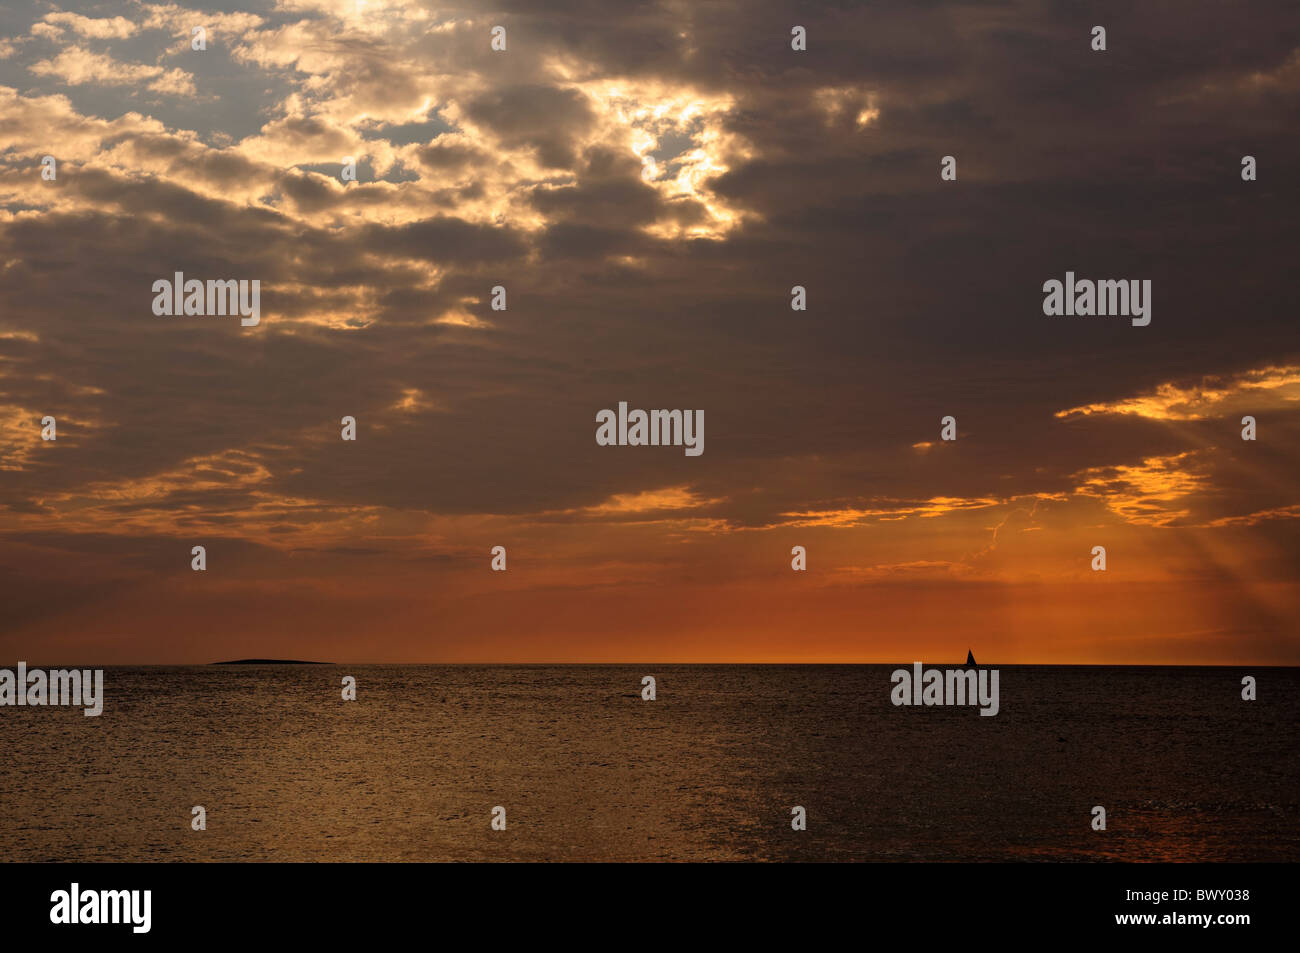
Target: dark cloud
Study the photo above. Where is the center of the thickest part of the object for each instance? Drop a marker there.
(924, 295)
(542, 117)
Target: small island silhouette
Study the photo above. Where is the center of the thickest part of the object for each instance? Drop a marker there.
(268, 661)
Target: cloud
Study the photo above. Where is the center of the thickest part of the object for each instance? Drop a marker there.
(78, 67)
(1260, 387)
(99, 28)
(649, 185)
(649, 501)
(1150, 493)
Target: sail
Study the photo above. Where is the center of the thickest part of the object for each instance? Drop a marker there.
(970, 658)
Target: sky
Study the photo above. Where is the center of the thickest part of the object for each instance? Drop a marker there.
(648, 182)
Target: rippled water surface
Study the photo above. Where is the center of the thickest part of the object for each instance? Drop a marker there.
(709, 771)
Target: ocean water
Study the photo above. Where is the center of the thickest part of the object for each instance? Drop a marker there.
(586, 770)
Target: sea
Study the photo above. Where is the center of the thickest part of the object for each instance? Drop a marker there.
(712, 769)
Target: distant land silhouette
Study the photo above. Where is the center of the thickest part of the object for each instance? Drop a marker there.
(268, 661)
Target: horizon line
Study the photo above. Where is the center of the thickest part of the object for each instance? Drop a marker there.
(571, 664)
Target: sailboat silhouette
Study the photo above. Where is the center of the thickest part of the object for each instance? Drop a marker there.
(970, 660)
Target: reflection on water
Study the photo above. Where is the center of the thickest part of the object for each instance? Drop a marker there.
(587, 770)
